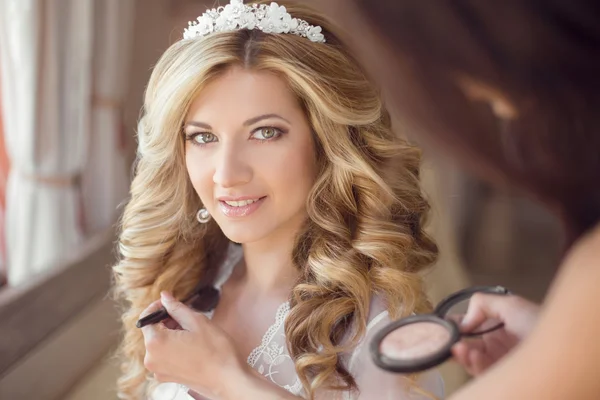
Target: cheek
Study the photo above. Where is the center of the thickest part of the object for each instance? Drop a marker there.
(295, 174)
(199, 174)
(308, 163)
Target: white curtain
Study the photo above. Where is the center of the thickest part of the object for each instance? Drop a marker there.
(46, 54)
(4, 167)
(106, 176)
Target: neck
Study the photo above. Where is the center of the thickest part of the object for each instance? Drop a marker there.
(268, 263)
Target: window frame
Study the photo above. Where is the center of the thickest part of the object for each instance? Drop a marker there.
(32, 312)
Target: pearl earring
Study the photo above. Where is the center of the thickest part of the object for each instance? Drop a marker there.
(203, 216)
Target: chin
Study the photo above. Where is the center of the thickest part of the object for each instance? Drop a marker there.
(242, 235)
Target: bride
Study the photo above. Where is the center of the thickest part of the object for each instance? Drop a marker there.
(267, 168)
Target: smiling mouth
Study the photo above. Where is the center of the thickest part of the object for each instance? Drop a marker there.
(240, 208)
(241, 203)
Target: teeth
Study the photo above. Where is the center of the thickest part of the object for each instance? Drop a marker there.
(241, 203)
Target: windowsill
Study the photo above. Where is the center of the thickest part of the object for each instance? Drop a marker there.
(39, 312)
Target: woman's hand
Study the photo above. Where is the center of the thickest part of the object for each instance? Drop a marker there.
(518, 315)
(191, 350)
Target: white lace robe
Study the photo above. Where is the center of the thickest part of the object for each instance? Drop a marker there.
(272, 360)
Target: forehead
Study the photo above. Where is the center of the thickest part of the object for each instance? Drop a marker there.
(239, 94)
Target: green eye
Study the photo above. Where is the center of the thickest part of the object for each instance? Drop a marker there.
(266, 133)
(203, 138)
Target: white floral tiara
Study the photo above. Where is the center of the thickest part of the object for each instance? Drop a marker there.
(237, 15)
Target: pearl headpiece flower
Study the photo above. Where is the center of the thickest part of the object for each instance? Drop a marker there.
(236, 15)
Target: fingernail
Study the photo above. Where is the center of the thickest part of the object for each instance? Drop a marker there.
(166, 296)
(466, 321)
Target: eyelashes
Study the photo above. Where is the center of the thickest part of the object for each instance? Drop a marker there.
(261, 135)
(201, 138)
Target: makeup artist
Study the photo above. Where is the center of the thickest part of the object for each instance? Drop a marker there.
(512, 89)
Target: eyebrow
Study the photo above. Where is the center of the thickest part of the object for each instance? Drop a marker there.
(248, 122)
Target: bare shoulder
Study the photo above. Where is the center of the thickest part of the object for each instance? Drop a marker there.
(586, 252)
(580, 270)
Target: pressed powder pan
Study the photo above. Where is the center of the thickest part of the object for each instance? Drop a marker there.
(420, 342)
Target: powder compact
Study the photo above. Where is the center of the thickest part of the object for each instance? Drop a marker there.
(420, 342)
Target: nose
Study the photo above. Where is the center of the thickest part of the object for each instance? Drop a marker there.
(232, 168)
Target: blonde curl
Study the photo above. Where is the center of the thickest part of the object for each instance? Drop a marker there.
(364, 233)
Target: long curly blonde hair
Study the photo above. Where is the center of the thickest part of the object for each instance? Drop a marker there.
(364, 231)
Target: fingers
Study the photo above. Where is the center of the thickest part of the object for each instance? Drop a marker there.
(187, 318)
(163, 339)
(483, 307)
(170, 323)
(460, 351)
(180, 316)
(152, 331)
(518, 314)
(478, 354)
(473, 359)
(463, 354)
(480, 361)
(155, 306)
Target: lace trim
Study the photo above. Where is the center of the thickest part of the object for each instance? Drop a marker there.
(282, 312)
(296, 388)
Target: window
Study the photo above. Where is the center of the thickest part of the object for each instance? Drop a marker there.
(4, 166)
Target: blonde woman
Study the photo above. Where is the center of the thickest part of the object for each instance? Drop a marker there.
(268, 169)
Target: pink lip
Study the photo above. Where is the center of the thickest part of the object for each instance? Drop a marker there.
(231, 198)
(238, 212)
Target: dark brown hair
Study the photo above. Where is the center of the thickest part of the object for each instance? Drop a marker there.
(542, 55)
